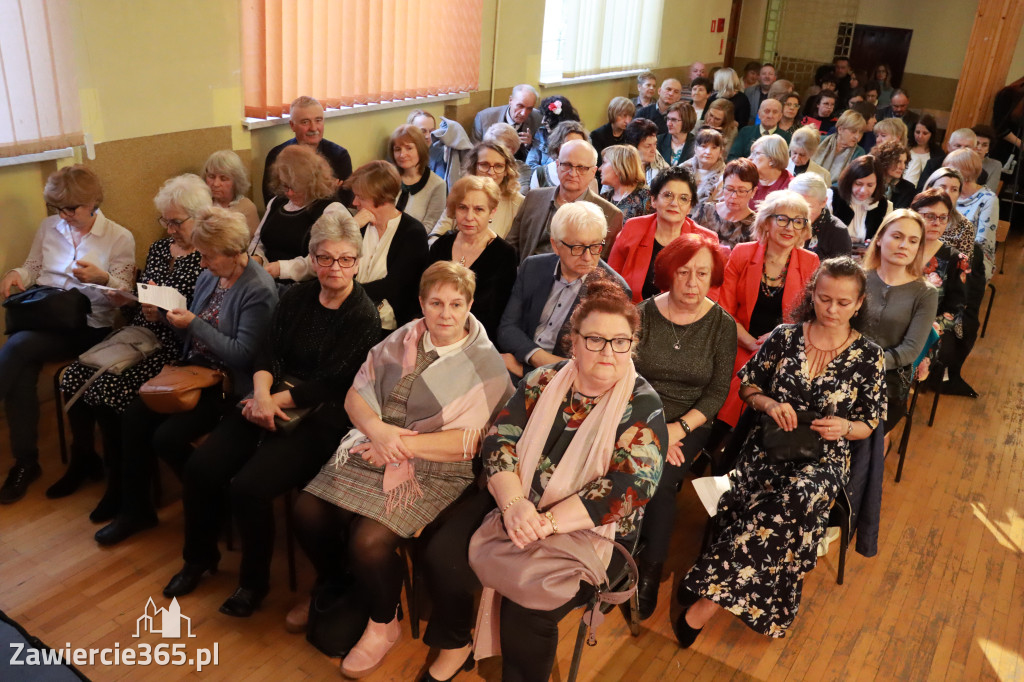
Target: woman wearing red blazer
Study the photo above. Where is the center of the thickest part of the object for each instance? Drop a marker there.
(764, 281)
(642, 238)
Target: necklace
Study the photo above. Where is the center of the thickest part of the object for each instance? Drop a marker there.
(673, 324)
(770, 286)
(824, 356)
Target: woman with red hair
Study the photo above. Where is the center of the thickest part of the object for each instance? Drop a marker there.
(686, 352)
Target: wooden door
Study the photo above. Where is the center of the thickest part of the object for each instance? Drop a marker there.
(874, 45)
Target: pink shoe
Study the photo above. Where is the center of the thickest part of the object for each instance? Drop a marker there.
(369, 652)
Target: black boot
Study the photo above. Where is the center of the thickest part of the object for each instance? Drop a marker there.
(82, 467)
(647, 587)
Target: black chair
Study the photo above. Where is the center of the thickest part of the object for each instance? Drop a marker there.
(841, 515)
(915, 389)
(988, 311)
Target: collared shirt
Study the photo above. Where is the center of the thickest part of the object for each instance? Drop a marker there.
(765, 131)
(556, 310)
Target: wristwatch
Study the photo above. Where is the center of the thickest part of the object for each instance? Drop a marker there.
(686, 427)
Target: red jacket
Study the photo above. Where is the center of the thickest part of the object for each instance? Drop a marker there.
(633, 248)
(738, 296)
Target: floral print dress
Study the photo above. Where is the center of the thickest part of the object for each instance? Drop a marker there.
(768, 524)
(947, 271)
(636, 463)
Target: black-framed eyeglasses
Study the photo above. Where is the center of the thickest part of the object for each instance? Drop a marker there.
(578, 249)
(566, 167)
(176, 224)
(326, 261)
(935, 218)
(63, 210)
(596, 344)
(782, 220)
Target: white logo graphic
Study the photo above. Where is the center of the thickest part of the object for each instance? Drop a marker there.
(170, 621)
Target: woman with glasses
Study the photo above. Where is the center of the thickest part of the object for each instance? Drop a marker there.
(623, 177)
(770, 155)
(764, 281)
(172, 262)
(945, 268)
(579, 446)
(491, 160)
(74, 248)
(676, 146)
(706, 164)
(730, 217)
(641, 239)
(320, 334)
(765, 534)
(472, 204)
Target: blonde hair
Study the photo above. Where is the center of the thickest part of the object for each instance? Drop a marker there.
(473, 183)
(782, 200)
(727, 83)
(774, 147)
(893, 127)
(302, 169)
(873, 256)
(967, 161)
(851, 120)
(625, 159)
(74, 185)
(448, 272)
(620, 106)
(510, 183)
(221, 230)
(807, 138)
(228, 163)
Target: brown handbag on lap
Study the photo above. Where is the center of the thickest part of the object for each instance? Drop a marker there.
(177, 387)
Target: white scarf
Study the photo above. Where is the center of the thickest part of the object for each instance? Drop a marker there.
(373, 265)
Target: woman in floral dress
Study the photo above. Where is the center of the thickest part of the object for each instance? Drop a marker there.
(768, 524)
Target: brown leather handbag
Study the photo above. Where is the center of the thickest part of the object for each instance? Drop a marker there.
(177, 387)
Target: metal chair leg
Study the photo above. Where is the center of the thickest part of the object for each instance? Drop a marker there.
(988, 311)
(577, 652)
(844, 540)
(905, 438)
(58, 404)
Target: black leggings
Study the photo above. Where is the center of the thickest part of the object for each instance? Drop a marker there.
(953, 351)
(529, 638)
(337, 540)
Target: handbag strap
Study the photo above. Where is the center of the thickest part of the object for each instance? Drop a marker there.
(594, 616)
(96, 375)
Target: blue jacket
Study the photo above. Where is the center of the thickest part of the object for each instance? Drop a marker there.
(244, 319)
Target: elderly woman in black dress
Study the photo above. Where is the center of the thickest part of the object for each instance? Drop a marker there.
(172, 262)
(768, 524)
(686, 351)
(319, 336)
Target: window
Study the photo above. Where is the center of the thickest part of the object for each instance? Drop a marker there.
(588, 37)
(347, 52)
(38, 89)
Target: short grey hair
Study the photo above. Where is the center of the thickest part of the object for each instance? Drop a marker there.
(810, 185)
(188, 192)
(774, 147)
(807, 138)
(303, 101)
(964, 135)
(226, 162)
(572, 144)
(525, 87)
(505, 135)
(578, 215)
(335, 226)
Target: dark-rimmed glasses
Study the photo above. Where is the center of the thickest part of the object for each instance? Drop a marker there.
(578, 249)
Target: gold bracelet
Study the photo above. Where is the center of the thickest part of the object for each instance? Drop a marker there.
(849, 429)
(510, 503)
(551, 519)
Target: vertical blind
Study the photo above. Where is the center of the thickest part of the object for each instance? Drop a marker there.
(39, 110)
(587, 37)
(346, 52)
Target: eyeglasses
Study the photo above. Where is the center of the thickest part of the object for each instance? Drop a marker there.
(596, 344)
(736, 191)
(674, 119)
(490, 168)
(935, 218)
(578, 249)
(168, 224)
(569, 168)
(670, 198)
(63, 211)
(325, 261)
(783, 220)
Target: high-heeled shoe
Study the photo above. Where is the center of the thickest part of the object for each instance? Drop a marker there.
(465, 667)
(243, 603)
(369, 652)
(187, 579)
(685, 634)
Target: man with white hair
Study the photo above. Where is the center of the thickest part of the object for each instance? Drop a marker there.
(549, 287)
(520, 113)
(306, 119)
(577, 165)
(769, 113)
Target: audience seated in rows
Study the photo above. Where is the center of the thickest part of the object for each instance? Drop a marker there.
(625, 185)
(668, 94)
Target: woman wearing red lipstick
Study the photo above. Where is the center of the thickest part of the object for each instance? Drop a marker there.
(765, 279)
(903, 303)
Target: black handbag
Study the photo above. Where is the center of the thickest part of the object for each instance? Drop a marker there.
(295, 414)
(47, 309)
(801, 445)
(337, 617)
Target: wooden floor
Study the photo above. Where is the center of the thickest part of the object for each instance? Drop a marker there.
(943, 600)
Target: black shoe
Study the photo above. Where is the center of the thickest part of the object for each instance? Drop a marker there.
(685, 598)
(122, 529)
(958, 387)
(187, 579)
(685, 635)
(242, 603)
(77, 473)
(106, 510)
(466, 667)
(647, 588)
(18, 480)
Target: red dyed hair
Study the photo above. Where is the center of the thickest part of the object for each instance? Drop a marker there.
(602, 295)
(681, 251)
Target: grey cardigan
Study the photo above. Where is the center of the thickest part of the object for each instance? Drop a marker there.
(244, 319)
(900, 318)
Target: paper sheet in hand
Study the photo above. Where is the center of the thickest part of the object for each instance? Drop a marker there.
(99, 287)
(709, 490)
(167, 298)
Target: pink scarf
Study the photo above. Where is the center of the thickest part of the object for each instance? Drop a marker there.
(586, 459)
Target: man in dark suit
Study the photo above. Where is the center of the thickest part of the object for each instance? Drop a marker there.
(669, 93)
(549, 286)
(577, 165)
(898, 107)
(306, 118)
(520, 113)
(770, 114)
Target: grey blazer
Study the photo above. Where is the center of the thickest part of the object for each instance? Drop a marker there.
(753, 94)
(525, 306)
(531, 222)
(488, 117)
